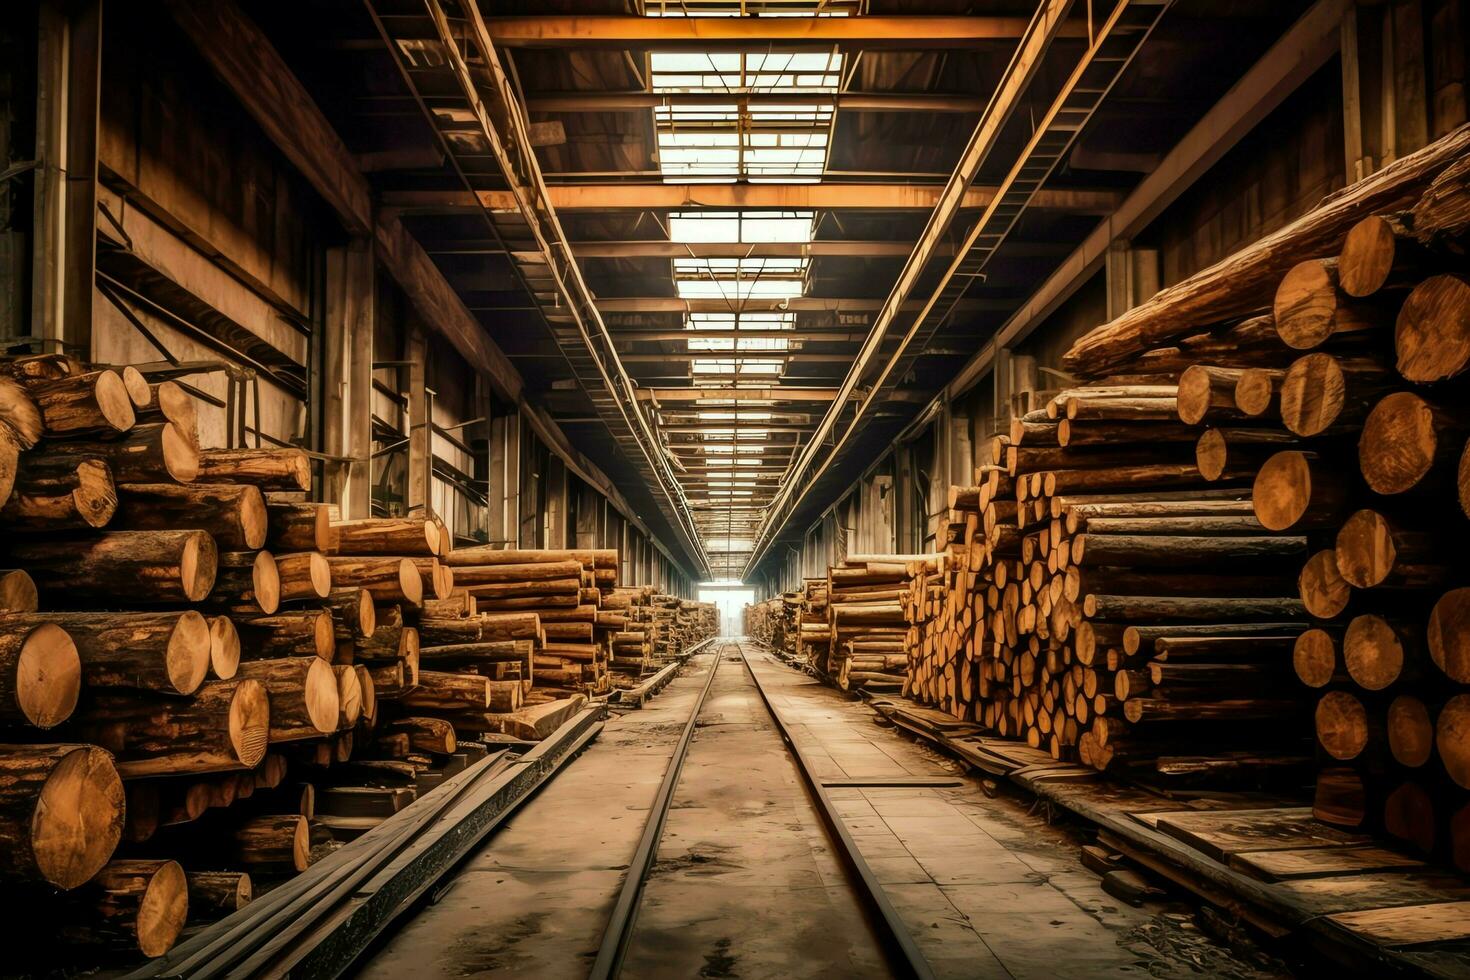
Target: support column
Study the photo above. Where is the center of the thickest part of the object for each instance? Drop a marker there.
(420, 436)
(347, 384)
(505, 479)
(64, 220)
(556, 504)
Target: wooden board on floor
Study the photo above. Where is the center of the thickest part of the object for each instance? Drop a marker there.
(1321, 862)
(1221, 833)
(1363, 892)
(1409, 925)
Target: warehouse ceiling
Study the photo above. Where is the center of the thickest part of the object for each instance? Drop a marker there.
(741, 200)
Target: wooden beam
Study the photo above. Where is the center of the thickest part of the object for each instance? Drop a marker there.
(623, 31)
(656, 196)
(248, 64)
(575, 102)
(737, 394)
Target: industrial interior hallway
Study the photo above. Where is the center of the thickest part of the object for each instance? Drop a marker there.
(746, 883)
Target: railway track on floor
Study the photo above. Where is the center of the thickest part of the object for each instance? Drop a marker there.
(890, 932)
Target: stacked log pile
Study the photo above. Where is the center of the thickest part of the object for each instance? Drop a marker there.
(867, 621)
(763, 621)
(1131, 608)
(807, 635)
(207, 682)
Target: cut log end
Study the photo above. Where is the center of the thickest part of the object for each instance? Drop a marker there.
(1399, 443)
(1323, 590)
(1254, 390)
(1313, 394)
(198, 563)
(189, 653)
(164, 907)
(18, 591)
(78, 817)
(249, 724)
(1373, 653)
(1210, 454)
(1452, 737)
(1367, 256)
(224, 647)
(1305, 305)
(1410, 731)
(48, 676)
(140, 393)
(1365, 549)
(1449, 635)
(1314, 658)
(1432, 332)
(1282, 490)
(1342, 725)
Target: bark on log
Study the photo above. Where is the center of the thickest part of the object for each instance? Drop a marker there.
(78, 499)
(1379, 251)
(432, 735)
(388, 579)
(441, 691)
(267, 469)
(224, 726)
(61, 812)
(1321, 391)
(297, 527)
(149, 567)
(165, 652)
(234, 516)
(1295, 490)
(304, 576)
(490, 555)
(1310, 308)
(354, 617)
(216, 894)
(92, 404)
(1373, 551)
(247, 582)
(292, 634)
(138, 905)
(153, 453)
(385, 536)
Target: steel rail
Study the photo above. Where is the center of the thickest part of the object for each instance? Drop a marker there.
(899, 943)
(624, 915)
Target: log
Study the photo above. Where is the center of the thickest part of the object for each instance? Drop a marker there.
(1343, 726)
(354, 617)
(1176, 551)
(385, 536)
(297, 527)
(18, 410)
(1310, 307)
(1373, 651)
(1403, 440)
(1148, 710)
(303, 696)
(248, 582)
(216, 894)
(92, 404)
(1432, 333)
(1452, 738)
(1294, 489)
(164, 652)
(1257, 390)
(1448, 635)
(1324, 592)
(368, 693)
(1314, 658)
(267, 469)
(224, 726)
(153, 453)
(224, 647)
(1410, 731)
(468, 575)
(292, 634)
(150, 567)
(349, 696)
(17, 591)
(61, 812)
(1160, 609)
(138, 905)
(1246, 280)
(1378, 251)
(279, 844)
(491, 555)
(40, 672)
(166, 401)
(388, 579)
(1207, 391)
(78, 499)
(235, 516)
(1373, 551)
(1321, 391)
(305, 575)
(431, 735)
(441, 691)
(390, 642)
(510, 626)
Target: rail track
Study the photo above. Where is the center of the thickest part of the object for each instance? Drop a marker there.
(889, 931)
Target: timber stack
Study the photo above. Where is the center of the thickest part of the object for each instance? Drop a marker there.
(867, 621)
(209, 683)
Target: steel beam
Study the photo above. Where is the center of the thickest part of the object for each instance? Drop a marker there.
(795, 304)
(699, 33)
(658, 196)
(572, 102)
(738, 394)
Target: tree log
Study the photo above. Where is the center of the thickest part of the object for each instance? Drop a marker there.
(297, 527)
(153, 453)
(150, 567)
(216, 894)
(224, 647)
(165, 652)
(247, 582)
(303, 696)
(137, 905)
(1321, 391)
(1449, 635)
(1324, 592)
(385, 536)
(92, 404)
(223, 726)
(305, 575)
(267, 469)
(78, 499)
(1432, 333)
(432, 735)
(1310, 307)
(441, 691)
(1294, 489)
(61, 812)
(388, 579)
(1373, 551)
(292, 634)
(354, 617)
(1403, 440)
(235, 516)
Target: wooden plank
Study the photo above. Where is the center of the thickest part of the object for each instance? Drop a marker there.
(1408, 925)
(1222, 833)
(1356, 893)
(1323, 862)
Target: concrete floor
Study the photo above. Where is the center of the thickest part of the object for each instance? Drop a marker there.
(745, 884)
